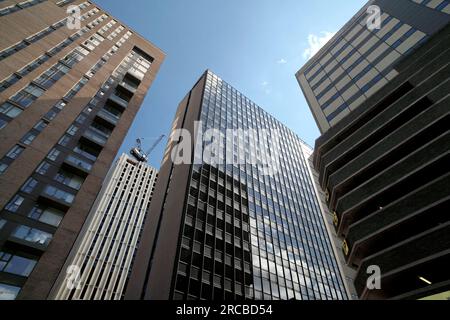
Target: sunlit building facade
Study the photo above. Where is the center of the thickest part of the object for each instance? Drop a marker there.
(101, 260)
(68, 96)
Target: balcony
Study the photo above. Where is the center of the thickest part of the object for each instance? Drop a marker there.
(425, 254)
(79, 166)
(135, 74)
(108, 116)
(127, 87)
(94, 137)
(118, 101)
(57, 198)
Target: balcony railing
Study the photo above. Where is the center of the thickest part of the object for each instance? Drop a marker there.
(78, 163)
(108, 116)
(128, 87)
(98, 139)
(60, 196)
(136, 74)
(119, 101)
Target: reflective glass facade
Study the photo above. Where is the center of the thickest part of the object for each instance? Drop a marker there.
(246, 234)
(358, 61)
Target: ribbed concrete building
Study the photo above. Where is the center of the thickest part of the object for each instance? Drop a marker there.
(101, 260)
(385, 170)
(70, 87)
(362, 57)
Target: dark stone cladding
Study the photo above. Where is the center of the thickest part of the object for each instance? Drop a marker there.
(384, 169)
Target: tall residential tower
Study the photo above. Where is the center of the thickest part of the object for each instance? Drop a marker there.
(69, 92)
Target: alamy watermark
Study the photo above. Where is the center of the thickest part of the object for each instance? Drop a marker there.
(257, 147)
(373, 281)
(74, 18)
(373, 21)
(73, 281)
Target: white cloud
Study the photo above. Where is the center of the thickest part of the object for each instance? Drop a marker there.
(316, 42)
(266, 87)
(282, 61)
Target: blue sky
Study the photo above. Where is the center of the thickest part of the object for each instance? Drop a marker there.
(255, 45)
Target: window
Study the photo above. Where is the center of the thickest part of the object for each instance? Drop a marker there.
(46, 215)
(10, 110)
(15, 264)
(65, 140)
(28, 95)
(32, 235)
(41, 125)
(72, 130)
(29, 186)
(43, 168)
(8, 292)
(59, 194)
(3, 166)
(60, 105)
(15, 152)
(72, 58)
(29, 137)
(51, 114)
(3, 123)
(49, 77)
(69, 179)
(72, 92)
(2, 223)
(11, 80)
(15, 203)
(53, 154)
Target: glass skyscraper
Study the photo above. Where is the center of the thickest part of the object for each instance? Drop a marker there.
(229, 230)
(360, 58)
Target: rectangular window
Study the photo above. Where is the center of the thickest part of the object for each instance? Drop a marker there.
(49, 77)
(29, 186)
(59, 194)
(43, 168)
(15, 203)
(3, 123)
(28, 95)
(65, 140)
(53, 154)
(46, 215)
(15, 152)
(32, 235)
(29, 137)
(69, 179)
(73, 58)
(11, 80)
(10, 110)
(16, 264)
(41, 125)
(8, 292)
